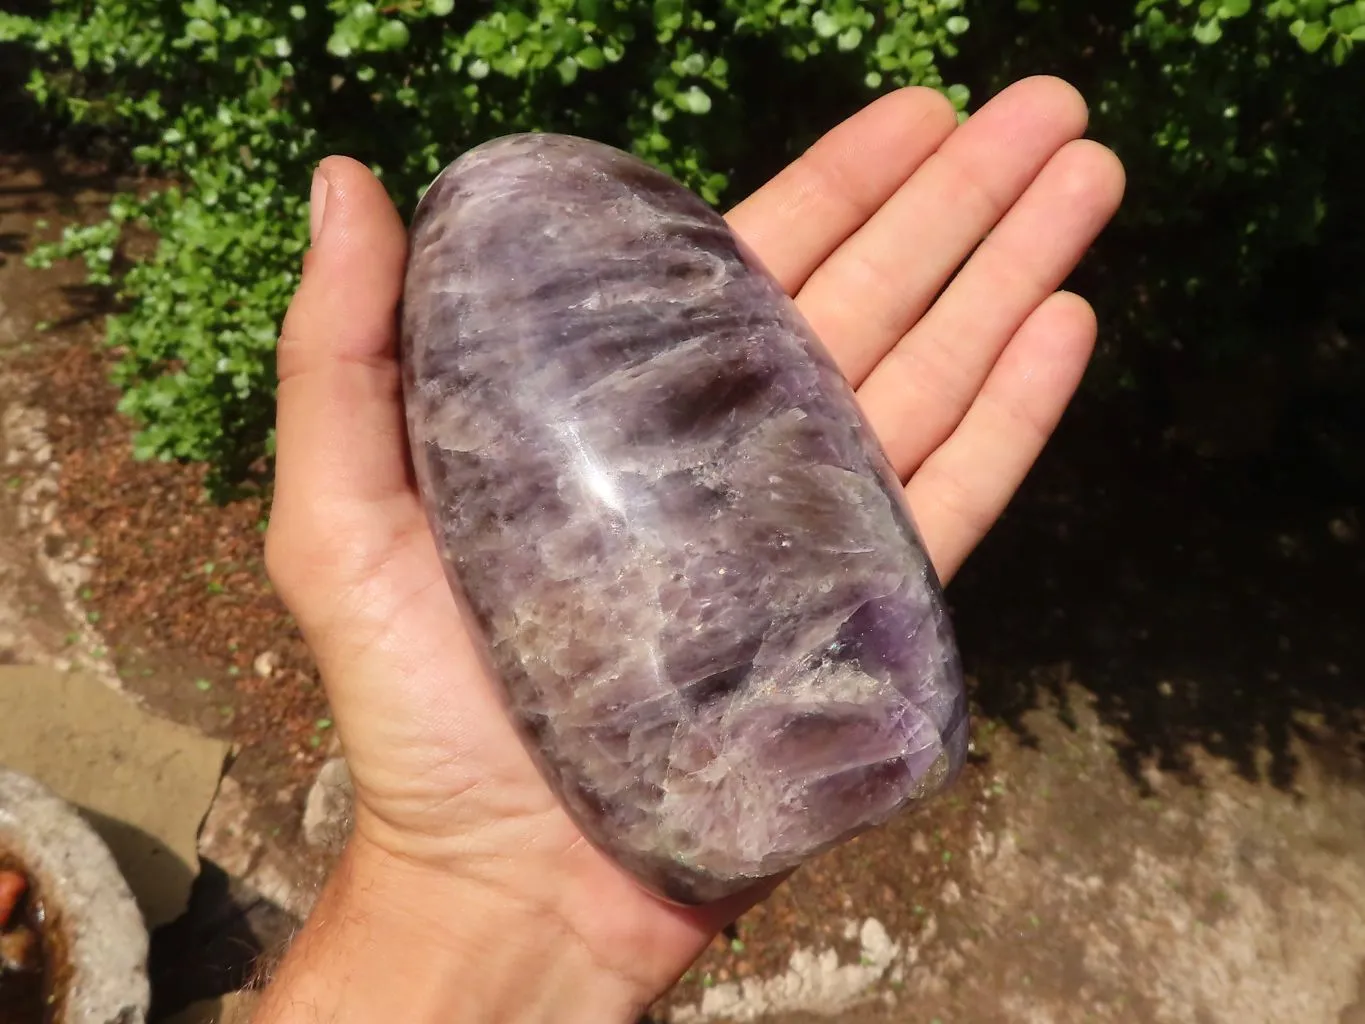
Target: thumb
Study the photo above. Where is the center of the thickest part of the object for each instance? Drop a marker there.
(341, 476)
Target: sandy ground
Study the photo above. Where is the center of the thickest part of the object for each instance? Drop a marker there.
(1083, 870)
(1080, 900)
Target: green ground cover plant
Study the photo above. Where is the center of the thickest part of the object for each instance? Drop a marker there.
(1239, 122)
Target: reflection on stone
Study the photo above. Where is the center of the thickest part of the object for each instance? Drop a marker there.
(692, 567)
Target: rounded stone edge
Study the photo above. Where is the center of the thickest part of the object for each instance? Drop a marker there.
(672, 882)
(102, 929)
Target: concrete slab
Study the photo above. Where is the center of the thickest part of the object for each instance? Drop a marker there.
(144, 782)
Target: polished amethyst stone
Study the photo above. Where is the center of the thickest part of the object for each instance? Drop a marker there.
(691, 564)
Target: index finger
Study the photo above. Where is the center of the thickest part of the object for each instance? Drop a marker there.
(796, 220)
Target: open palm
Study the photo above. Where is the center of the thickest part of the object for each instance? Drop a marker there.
(961, 370)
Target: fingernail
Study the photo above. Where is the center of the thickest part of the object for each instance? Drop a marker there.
(317, 205)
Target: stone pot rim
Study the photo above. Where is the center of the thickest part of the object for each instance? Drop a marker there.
(100, 930)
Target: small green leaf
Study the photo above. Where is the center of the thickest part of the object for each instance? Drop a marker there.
(694, 100)
(200, 30)
(1312, 37)
(850, 37)
(1345, 20)
(825, 25)
(440, 8)
(340, 45)
(590, 58)
(957, 24)
(1208, 32)
(694, 64)
(393, 35)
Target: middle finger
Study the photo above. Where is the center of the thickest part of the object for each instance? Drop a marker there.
(883, 278)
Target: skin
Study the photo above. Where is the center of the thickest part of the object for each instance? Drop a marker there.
(465, 892)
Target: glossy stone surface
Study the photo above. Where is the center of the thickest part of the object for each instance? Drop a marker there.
(692, 566)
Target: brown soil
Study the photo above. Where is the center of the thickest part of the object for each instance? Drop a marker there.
(180, 587)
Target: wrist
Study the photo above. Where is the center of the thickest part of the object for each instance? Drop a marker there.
(391, 939)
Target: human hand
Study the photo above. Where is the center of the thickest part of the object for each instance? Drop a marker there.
(461, 853)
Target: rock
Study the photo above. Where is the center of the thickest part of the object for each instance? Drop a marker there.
(327, 811)
(232, 845)
(693, 567)
(99, 925)
(226, 836)
(265, 664)
(814, 984)
(876, 942)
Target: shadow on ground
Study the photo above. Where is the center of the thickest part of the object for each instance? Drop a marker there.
(220, 945)
(1216, 602)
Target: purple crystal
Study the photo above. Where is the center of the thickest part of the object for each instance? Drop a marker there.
(692, 566)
